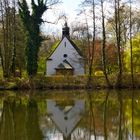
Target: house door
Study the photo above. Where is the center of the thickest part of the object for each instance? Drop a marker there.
(64, 72)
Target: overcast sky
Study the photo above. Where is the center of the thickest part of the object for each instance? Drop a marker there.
(69, 7)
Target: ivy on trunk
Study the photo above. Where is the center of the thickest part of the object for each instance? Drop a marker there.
(31, 22)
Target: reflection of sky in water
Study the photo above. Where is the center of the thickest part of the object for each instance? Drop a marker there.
(56, 136)
(0, 112)
(97, 137)
(1, 109)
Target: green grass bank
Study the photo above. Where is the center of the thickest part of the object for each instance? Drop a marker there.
(66, 82)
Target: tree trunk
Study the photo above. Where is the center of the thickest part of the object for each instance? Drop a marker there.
(3, 30)
(131, 46)
(6, 47)
(118, 38)
(13, 66)
(104, 45)
(92, 49)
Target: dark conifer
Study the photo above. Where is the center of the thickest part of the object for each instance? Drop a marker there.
(32, 21)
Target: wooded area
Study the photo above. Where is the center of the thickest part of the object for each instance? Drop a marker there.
(108, 35)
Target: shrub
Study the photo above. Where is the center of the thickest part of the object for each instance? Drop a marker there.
(99, 73)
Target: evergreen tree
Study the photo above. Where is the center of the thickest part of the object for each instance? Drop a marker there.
(32, 22)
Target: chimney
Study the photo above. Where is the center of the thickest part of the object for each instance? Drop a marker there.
(65, 31)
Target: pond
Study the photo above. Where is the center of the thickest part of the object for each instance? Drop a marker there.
(70, 115)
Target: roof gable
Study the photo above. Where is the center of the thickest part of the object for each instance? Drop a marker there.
(75, 46)
(54, 47)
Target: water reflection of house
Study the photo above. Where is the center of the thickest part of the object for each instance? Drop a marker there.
(67, 117)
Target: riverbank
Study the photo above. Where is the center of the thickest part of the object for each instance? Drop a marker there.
(66, 82)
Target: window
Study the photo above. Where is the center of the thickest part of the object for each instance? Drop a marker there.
(65, 55)
(65, 44)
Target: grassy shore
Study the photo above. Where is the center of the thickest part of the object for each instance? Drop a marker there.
(66, 82)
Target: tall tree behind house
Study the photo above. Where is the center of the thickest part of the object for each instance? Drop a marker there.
(90, 44)
(11, 38)
(32, 21)
(131, 45)
(118, 40)
(7, 12)
(104, 44)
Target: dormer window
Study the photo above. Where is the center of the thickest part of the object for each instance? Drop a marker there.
(65, 55)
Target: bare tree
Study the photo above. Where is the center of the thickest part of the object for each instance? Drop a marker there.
(13, 65)
(7, 28)
(3, 33)
(12, 39)
(131, 45)
(104, 44)
(90, 42)
(118, 40)
(92, 50)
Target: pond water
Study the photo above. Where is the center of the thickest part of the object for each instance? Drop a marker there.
(70, 115)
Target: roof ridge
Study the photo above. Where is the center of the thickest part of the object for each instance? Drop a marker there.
(75, 46)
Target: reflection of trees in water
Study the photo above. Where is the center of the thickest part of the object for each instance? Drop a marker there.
(47, 126)
(105, 115)
(91, 117)
(97, 109)
(108, 116)
(19, 121)
(33, 130)
(7, 123)
(124, 132)
(132, 115)
(114, 122)
(120, 137)
(80, 134)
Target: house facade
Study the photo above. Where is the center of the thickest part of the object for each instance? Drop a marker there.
(66, 59)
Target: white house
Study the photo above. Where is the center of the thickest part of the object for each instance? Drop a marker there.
(66, 59)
